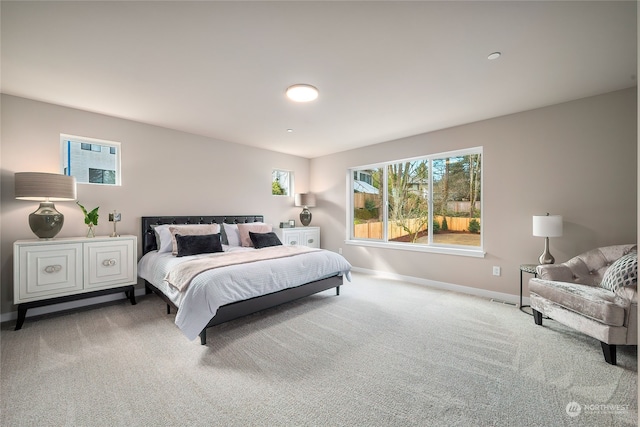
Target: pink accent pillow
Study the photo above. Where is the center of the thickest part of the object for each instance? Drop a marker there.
(255, 227)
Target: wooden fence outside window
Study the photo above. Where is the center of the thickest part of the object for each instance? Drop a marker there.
(373, 230)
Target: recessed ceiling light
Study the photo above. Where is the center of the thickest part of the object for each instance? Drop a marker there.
(289, 130)
(302, 93)
(494, 55)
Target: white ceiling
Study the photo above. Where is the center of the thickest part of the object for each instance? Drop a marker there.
(385, 70)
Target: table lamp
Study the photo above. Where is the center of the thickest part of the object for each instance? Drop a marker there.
(46, 188)
(306, 200)
(547, 226)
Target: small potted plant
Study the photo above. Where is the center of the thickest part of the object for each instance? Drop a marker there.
(91, 219)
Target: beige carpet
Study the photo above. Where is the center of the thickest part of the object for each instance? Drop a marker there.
(383, 353)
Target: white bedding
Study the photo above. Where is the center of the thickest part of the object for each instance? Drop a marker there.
(214, 288)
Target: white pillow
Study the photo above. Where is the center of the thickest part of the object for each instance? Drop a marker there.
(233, 235)
(163, 238)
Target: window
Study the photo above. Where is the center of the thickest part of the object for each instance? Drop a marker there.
(281, 182)
(430, 203)
(101, 176)
(91, 161)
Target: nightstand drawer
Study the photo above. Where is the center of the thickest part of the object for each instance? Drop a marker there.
(109, 263)
(48, 271)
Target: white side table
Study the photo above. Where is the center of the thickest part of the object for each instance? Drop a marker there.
(303, 236)
(52, 271)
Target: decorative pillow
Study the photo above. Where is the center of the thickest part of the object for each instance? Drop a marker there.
(256, 227)
(198, 244)
(163, 237)
(623, 272)
(264, 240)
(190, 230)
(233, 236)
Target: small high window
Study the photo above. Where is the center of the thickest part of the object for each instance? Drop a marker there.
(91, 161)
(281, 182)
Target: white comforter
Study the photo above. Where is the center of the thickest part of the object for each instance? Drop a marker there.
(214, 288)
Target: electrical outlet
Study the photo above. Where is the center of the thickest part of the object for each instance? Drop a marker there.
(496, 270)
(340, 251)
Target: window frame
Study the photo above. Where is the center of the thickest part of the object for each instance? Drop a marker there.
(289, 188)
(92, 145)
(471, 251)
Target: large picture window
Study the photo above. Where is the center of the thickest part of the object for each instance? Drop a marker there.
(429, 203)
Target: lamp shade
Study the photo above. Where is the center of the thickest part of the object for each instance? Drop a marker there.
(40, 186)
(305, 199)
(547, 225)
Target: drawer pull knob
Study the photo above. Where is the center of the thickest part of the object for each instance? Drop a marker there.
(53, 268)
(109, 262)
(310, 241)
(293, 242)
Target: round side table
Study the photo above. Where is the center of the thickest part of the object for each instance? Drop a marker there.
(526, 268)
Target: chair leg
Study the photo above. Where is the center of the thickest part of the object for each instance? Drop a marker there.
(537, 316)
(609, 351)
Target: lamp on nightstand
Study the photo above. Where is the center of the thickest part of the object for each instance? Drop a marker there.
(307, 200)
(547, 226)
(46, 188)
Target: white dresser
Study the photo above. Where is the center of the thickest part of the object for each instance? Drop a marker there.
(52, 271)
(305, 236)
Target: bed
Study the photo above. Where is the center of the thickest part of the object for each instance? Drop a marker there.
(219, 294)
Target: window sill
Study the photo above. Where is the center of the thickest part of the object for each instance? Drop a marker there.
(447, 250)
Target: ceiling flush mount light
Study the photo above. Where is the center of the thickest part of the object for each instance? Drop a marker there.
(302, 93)
(494, 55)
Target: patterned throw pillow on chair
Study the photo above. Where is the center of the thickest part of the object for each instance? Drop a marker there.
(623, 272)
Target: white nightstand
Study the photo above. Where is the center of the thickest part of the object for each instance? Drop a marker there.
(304, 236)
(52, 271)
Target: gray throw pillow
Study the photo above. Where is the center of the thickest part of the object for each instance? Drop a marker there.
(623, 272)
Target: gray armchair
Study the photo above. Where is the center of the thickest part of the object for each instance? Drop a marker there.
(570, 293)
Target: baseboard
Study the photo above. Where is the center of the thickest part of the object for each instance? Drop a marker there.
(499, 296)
(38, 311)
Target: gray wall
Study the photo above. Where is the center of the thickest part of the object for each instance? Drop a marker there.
(164, 172)
(576, 159)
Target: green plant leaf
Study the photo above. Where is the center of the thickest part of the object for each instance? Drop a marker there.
(93, 216)
(89, 217)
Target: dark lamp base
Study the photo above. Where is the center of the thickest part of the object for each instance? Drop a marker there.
(305, 217)
(46, 221)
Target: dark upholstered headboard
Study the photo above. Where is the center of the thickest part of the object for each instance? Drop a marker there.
(149, 236)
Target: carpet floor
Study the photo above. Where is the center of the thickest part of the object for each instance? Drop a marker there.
(383, 353)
